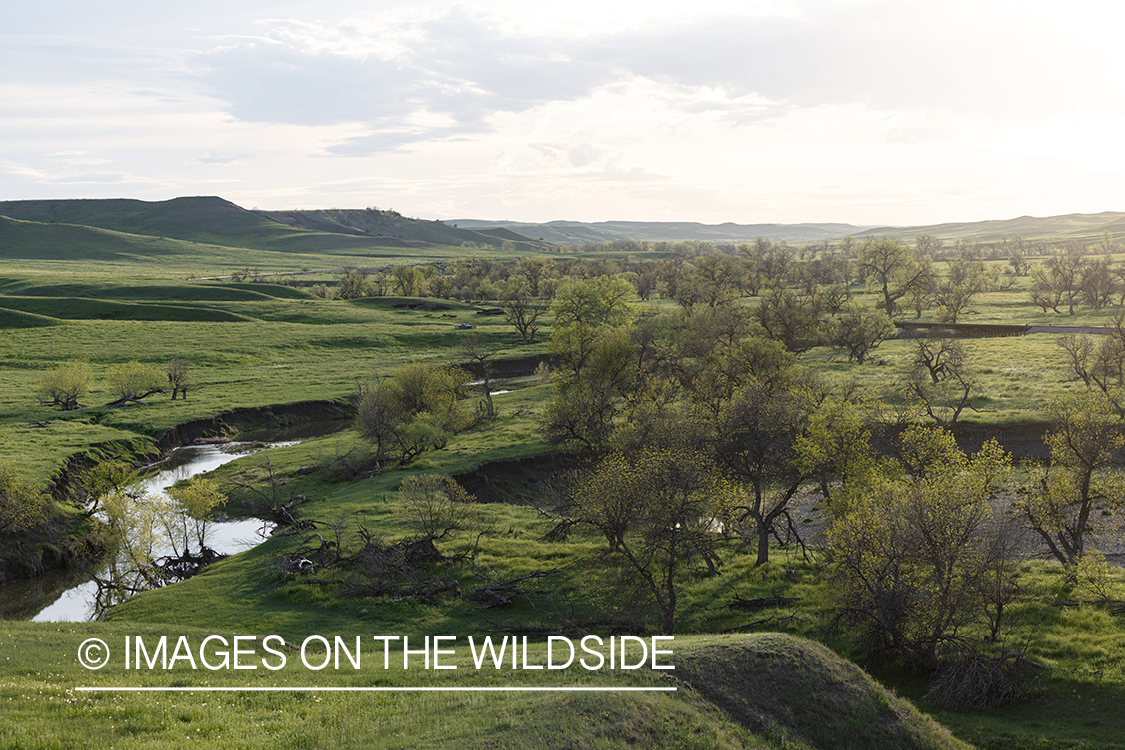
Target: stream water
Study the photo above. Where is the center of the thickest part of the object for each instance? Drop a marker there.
(69, 596)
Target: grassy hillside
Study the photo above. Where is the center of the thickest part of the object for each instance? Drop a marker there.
(43, 709)
(215, 221)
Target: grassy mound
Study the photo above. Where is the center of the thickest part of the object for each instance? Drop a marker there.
(799, 694)
(10, 319)
(69, 308)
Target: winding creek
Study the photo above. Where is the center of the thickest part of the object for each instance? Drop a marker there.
(69, 596)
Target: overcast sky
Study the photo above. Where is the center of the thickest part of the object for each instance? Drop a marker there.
(861, 111)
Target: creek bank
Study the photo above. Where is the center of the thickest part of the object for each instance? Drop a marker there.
(515, 480)
(71, 541)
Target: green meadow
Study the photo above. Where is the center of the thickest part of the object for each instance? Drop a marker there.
(156, 287)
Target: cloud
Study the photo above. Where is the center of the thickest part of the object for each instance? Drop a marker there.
(468, 66)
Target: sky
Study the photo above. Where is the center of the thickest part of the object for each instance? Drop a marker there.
(887, 112)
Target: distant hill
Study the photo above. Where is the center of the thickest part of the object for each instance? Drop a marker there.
(1084, 227)
(579, 233)
(375, 223)
(1071, 226)
(215, 221)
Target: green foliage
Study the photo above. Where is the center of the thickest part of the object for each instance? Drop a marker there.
(917, 560)
(1060, 503)
(64, 385)
(657, 508)
(1092, 576)
(135, 380)
(412, 412)
(22, 505)
(600, 301)
(859, 330)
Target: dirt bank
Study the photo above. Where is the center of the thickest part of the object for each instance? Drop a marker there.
(70, 541)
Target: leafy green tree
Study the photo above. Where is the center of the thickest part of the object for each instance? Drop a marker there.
(355, 284)
(599, 371)
(791, 318)
(522, 308)
(600, 301)
(135, 380)
(941, 379)
(967, 277)
(757, 442)
(913, 557)
(64, 385)
(889, 266)
(656, 508)
(197, 500)
(1062, 503)
(859, 330)
(22, 505)
(415, 410)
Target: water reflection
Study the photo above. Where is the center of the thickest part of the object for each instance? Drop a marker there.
(71, 596)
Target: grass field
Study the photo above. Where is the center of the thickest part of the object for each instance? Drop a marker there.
(256, 344)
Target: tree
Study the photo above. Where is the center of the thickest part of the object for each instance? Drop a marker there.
(1060, 503)
(656, 508)
(134, 380)
(940, 379)
(179, 379)
(1100, 364)
(913, 557)
(598, 372)
(793, 319)
(481, 355)
(415, 410)
(354, 284)
(522, 308)
(1058, 280)
(891, 267)
(757, 442)
(967, 278)
(859, 330)
(64, 385)
(407, 281)
(600, 301)
(22, 505)
(196, 500)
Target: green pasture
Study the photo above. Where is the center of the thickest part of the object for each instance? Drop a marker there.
(258, 344)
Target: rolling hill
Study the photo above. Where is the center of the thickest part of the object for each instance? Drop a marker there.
(216, 221)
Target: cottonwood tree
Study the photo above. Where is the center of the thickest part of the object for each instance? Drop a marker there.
(1100, 363)
(656, 508)
(1058, 280)
(65, 384)
(134, 380)
(1063, 502)
(890, 267)
(481, 355)
(522, 309)
(196, 501)
(859, 330)
(22, 505)
(414, 411)
(913, 558)
(941, 379)
(967, 277)
(791, 318)
(757, 443)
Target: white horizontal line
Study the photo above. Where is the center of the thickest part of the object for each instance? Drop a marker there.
(376, 689)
